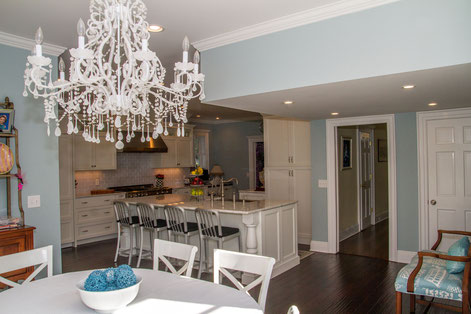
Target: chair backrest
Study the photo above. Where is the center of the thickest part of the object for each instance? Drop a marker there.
(147, 215)
(185, 252)
(121, 210)
(41, 258)
(293, 309)
(176, 219)
(209, 222)
(250, 263)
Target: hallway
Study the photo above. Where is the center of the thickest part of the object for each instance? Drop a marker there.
(371, 242)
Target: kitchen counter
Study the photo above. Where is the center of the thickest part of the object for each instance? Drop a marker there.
(187, 202)
(267, 227)
(95, 195)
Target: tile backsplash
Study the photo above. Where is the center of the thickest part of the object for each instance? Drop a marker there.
(133, 168)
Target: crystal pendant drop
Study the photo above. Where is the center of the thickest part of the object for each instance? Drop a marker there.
(160, 128)
(119, 145)
(58, 132)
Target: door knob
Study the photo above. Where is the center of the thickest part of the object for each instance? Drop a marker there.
(433, 202)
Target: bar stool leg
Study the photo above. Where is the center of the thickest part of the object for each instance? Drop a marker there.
(131, 245)
(200, 269)
(140, 248)
(240, 243)
(119, 242)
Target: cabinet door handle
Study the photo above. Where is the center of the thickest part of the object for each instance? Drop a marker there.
(108, 227)
(84, 202)
(107, 200)
(107, 212)
(84, 215)
(84, 231)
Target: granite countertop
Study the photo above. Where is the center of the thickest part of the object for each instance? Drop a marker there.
(190, 203)
(94, 195)
(252, 191)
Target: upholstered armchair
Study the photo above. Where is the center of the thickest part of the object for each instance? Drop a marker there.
(427, 276)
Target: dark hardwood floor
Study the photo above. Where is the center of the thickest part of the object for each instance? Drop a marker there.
(322, 283)
(371, 242)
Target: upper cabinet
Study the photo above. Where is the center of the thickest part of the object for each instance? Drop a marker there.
(180, 150)
(92, 156)
(287, 143)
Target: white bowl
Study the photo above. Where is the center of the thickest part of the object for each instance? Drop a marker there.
(108, 301)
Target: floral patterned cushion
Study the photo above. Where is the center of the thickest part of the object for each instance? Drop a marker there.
(433, 280)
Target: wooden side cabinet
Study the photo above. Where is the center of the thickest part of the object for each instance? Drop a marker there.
(14, 241)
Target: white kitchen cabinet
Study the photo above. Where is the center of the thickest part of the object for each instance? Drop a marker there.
(180, 150)
(92, 156)
(293, 184)
(287, 143)
(66, 188)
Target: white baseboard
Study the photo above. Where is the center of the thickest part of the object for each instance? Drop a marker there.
(304, 238)
(382, 216)
(96, 239)
(350, 231)
(405, 256)
(320, 246)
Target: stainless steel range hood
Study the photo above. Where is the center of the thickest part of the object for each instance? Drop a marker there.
(136, 146)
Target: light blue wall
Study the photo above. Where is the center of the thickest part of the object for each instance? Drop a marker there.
(398, 37)
(319, 172)
(229, 148)
(406, 177)
(38, 155)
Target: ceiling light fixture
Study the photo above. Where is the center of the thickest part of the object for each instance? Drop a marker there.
(335, 113)
(288, 102)
(116, 82)
(198, 116)
(155, 28)
(408, 86)
(432, 104)
(217, 118)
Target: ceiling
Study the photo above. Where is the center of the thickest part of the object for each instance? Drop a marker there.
(450, 87)
(198, 19)
(209, 113)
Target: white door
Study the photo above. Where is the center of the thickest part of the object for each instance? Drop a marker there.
(449, 176)
(276, 138)
(300, 143)
(278, 184)
(366, 176)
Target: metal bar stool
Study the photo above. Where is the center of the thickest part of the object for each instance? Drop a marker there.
(210, 228)
(148, 221)
(125, 220)
(177, 223)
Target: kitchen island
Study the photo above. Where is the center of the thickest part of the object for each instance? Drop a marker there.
(267, 227)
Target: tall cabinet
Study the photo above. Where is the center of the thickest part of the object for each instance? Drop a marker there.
(288, 167)
(66, 187)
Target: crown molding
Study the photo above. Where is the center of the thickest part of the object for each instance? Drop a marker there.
(26, 43)
(289, 21)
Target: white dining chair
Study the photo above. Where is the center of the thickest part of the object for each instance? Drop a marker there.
(41, 258)
(180, 251)
(250, 263)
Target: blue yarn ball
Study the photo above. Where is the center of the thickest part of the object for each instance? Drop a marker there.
(125, 277)
(96, 281)
(111, 288)
(110, 275)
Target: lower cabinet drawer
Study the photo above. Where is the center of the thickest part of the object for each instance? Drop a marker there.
(92, 215)
(90, 231)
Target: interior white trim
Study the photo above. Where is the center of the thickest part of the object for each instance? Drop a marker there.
(319, 246)
(304, 238)
(252, 140)
(332, 191)
(317, 14)
(405, 256)
(27, 43)
(348, 232)
(422, 119)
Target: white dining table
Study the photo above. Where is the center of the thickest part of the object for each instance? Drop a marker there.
(160, 292)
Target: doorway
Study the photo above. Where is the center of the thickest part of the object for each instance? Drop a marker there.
(362, 178)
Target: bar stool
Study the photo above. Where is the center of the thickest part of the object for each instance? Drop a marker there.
(177, 223)
(210, 228)
(148, 221)
(125, 220)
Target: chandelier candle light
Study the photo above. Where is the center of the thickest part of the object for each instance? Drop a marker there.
(116, 84)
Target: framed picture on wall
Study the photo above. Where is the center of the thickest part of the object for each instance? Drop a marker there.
(346, 152)
(382, 151)
(6, 120)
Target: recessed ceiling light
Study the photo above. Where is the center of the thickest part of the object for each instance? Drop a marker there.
(408, 86)
(155, 28)
(432, 104)
(335, 113)
(288, 102)
(198, 116)
(217, 118)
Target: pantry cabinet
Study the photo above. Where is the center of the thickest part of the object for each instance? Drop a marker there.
(66, 187)
(92, 156)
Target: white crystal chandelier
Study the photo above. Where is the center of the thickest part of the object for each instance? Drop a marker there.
(116, 84)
